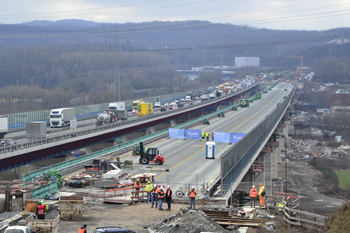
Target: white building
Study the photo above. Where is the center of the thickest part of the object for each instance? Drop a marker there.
(247, 61)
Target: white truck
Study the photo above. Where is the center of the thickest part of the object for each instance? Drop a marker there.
(36, 130)
(116, 106)
(61, 117)
(3, 126)
(43, 225)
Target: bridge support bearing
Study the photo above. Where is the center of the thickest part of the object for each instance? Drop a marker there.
(151, 130)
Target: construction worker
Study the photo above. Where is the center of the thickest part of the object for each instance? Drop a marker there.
(46, 206)
(137, 187)
(168, 197)
(155, 192)
(149, 188)
(212, 136)
(280, 207)
(253, 195)
(83, 229)
(40, 211)
(261, 195)
(202, 136)
(161, 198)
(193, 197)
(207, 135)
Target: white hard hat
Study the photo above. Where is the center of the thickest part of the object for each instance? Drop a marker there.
(253, 186)
(161, 189)
(168, 186)
(155, 186)
(193, 187)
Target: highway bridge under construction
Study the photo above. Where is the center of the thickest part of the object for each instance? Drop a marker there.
(252, 159)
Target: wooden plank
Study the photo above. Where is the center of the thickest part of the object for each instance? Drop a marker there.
(239, 223)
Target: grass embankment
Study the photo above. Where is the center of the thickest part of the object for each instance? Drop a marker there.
(344, 179)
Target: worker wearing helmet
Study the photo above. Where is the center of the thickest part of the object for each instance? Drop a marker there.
(149, 188)
(253, 195)
(155, 192)
(262, 194)
(202, 136)
(137, 187)
(46, 206)
(193, 197)
(161, 195)
(168, 197)
(40, 211)
(207, 135)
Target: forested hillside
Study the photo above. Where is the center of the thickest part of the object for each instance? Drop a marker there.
(78, 58)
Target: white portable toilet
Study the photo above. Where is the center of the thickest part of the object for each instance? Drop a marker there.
(210, 150)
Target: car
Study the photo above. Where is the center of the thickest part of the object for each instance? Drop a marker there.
(166, 104)
(134, 111)
(112, 230)
(198, 101)
(163, 109)
(171, 107)
(182, 100)
(19, 229)
(173, 103)
(157, 104)
(180, 105)
(7, 142)
(176, 101)
(196, 98)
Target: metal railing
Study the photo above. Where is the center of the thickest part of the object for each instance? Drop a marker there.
(235, 159)
(77, 133)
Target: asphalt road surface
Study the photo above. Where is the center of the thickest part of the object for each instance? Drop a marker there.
(185, 159)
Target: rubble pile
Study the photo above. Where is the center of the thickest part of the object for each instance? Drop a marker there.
(188, 221)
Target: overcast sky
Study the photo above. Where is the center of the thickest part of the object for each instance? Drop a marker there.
(277, 14)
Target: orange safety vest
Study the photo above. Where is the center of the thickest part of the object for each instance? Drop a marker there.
(41, 210)
(155, 191)
(161, 195)
(169, 193)
(81, 230)
(193, 193)
(253, 193)
(137, 185)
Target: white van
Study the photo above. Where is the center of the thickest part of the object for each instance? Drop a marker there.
(188, 98)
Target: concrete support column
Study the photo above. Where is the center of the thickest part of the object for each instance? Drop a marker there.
(151, 130)
(132, 136)
(268, 174)
(274, 162)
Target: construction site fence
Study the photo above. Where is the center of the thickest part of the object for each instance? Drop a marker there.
(43, 190)
(93, 129)
(235, 159)
(17, 121)
(76, 164)
(302, 218)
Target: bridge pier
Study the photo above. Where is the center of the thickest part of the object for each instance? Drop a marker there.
(173, 123)
(151, 130)
(132, 136)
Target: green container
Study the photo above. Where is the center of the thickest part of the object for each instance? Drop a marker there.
(286, 89)
(285, 96)
(250, 100)
(234, 108)
(293, 83)
(244, 103)
(258, 96)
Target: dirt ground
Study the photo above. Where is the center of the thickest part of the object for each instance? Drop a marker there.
(303, 178)
(134, 217)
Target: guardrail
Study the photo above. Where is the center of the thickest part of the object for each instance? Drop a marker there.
(93, 129)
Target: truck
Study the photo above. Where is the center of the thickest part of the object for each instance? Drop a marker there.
(61, 117)
(116, 106)
(204, 97)
(3, 126)
(36, 130)
(106, 117)
(221, 87)
(134, 105)
(144, 109)
(212, 96)
(192, 94)
(122, 115)
(43, 225)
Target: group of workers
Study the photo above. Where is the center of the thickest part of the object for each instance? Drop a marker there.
(156, 195)
(206, 135)
(254, 194)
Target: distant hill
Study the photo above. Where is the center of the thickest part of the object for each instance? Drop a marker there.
(67, 23)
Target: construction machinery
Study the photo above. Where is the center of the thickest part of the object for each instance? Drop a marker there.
(206, 121)
(152, 155)
(106, 117)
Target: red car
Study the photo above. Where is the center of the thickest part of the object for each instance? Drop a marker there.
(171, 107)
